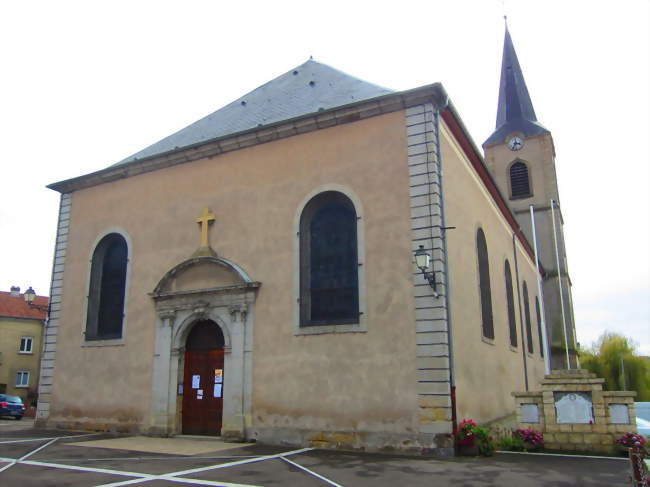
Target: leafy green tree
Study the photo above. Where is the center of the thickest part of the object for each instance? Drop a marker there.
(614, 358)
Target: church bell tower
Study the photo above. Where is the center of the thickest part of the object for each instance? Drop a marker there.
(521, 157)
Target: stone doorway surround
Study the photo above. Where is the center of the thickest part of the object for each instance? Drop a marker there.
(203, 288)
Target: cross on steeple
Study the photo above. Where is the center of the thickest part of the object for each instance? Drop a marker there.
(204, 221)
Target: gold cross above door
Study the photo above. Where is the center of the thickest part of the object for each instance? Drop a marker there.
(204, 221)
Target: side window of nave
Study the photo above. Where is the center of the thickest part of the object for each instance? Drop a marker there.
(329, 283)
(107, 289)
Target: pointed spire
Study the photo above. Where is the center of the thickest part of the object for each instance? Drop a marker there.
(515, 112)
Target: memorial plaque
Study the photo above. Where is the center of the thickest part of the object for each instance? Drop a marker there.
(529, 413)
(574, 407)
(618, 414)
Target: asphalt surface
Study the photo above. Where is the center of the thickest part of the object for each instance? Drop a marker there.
(31, 457)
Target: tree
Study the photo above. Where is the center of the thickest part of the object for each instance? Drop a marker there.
(614, 358)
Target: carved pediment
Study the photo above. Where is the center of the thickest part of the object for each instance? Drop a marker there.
(198, 273)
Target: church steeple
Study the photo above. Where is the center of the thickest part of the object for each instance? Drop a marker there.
(515, 112)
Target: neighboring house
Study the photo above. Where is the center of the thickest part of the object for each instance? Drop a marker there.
(21, 338)
(295, 313)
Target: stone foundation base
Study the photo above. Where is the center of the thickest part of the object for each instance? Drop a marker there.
(439, 445)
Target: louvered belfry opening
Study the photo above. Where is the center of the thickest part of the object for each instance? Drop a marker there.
(519, 180)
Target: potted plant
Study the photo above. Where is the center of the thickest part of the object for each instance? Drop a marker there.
(627, 441)
(473, 440)
(532, 440)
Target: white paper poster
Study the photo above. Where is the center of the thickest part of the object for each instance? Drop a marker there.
(196, 380)
(217, 390)
(218, 376)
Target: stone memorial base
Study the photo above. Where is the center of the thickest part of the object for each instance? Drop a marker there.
(574, 413)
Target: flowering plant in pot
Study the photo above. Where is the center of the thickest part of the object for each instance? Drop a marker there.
(533, 440)
(628, 440)
(474, 439)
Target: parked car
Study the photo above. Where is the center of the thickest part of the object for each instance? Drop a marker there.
(11, 406)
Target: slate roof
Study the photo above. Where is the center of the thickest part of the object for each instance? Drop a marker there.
(308, 88)
(515, 112)
(17, 307)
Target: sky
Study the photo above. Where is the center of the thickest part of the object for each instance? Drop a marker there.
(85, 84)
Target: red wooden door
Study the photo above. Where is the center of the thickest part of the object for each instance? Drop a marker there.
(203, 392)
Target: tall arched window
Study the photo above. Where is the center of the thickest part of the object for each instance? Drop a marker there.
(519, 180)
(510, 302)
(329, 284)
(539, 326)
(107, 288)
(529, 330)
(484, 284)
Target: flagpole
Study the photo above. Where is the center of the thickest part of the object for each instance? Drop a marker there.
(540, 293)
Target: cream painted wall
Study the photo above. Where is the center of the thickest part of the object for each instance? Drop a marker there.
(298, 381)
(12, 361)
(486, 371)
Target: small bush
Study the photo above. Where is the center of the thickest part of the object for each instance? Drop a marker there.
(511, 444)
(532, 440)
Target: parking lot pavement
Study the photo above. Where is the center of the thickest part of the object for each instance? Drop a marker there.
(30, 458)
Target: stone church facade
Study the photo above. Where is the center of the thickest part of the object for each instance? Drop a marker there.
(253, 276)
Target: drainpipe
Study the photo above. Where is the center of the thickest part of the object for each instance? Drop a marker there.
(443, 235)
(521, 317)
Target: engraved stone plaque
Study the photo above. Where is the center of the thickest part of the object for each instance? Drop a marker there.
(529, 413)
(618, 414)
(574, 407)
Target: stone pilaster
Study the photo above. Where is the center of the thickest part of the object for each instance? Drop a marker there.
(51, 329)
(431, 317)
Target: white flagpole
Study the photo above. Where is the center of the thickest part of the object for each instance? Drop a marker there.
(540, 293)
(559, 283)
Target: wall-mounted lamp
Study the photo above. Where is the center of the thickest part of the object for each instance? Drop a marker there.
(423, 261)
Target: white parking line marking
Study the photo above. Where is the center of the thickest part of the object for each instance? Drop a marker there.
(174, 476)
(310, 472)
(14, 462)
(140, 477)
(44, 439)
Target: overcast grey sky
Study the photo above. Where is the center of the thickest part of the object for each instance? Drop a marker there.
(85, 84)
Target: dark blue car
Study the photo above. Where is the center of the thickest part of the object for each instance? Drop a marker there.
(11, 406)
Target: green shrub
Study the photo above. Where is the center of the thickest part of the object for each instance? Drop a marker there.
(514, 443)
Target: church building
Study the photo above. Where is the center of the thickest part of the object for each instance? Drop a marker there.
(321, 262)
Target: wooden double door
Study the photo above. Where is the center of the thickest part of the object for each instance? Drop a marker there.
(203, 381)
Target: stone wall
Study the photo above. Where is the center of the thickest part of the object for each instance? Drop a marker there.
(612, 412)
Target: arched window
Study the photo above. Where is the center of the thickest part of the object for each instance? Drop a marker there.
(510, 302)
(519, 180)
(484, 284)
(329, 284)
(539, 326)
(529, 330)
(107, 287)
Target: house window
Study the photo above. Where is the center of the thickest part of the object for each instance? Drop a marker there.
(26, 344)
(539, 326)
(519, 180)
(510, 303)
(22, 379)
(329, 282)
(529, 332)
(484, 285)
(107, 289)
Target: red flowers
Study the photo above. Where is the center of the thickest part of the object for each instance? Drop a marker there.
(531, 437)
(631, 439)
